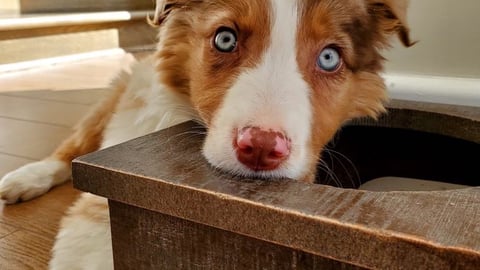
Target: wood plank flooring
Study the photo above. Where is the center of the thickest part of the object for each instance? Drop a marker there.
(32, 123)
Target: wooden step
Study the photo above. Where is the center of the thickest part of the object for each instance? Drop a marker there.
(39, 6)
(38, 36)
(43, 20)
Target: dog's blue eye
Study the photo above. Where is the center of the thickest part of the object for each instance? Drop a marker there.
(225, 40)
(329, 59)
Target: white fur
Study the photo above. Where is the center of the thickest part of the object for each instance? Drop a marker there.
(273, 95)
(33, 180)
(84, 243)
(163, 108)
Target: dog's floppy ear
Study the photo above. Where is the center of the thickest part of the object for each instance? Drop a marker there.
(392, 17)
(163, 8)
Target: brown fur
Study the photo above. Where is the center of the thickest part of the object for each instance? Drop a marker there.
(88, 207)
(88, 135)
(359, 29)
(189, 63)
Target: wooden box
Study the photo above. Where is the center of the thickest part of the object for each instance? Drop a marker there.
(170, 210)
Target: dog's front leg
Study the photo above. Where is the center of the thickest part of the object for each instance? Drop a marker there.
(35, 179)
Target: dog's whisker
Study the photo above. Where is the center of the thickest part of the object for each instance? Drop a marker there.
(330, 174)
(332, 168)
(356, 181)
(187, 135)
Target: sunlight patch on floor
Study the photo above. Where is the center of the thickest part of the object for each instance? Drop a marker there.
(83, 74)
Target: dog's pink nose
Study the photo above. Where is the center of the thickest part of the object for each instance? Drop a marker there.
(261, 150)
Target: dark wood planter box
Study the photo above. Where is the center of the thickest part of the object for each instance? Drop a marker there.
(170, 210)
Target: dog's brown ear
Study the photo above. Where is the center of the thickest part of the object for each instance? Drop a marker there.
(163, 8)
(392, 17)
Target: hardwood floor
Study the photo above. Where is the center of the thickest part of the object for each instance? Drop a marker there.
(27, 230)
(32, 123)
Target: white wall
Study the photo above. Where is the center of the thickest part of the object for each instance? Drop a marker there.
(448, 35)
(448, 32)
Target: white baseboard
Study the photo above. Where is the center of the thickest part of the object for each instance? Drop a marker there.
(33, 21)
(434, 89)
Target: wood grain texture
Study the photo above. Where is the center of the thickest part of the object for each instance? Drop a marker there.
(23, 44)
(17, 50)
(100, 73)
(452, 123)
(166, 242)
(165, 173)
(41, 111)
(59, 30)
(81, 97)
(25, 250)
(6, 230)
(17, 138)
(41, 215)
(37, 6)
(30, 228)
(466, 112)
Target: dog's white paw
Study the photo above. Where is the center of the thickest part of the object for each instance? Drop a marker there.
(33, 180)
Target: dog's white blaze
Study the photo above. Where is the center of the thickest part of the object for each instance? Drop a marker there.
(272, 95)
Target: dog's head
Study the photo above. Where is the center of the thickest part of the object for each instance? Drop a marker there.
(273, 80)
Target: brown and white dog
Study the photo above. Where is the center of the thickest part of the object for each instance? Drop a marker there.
(271, 80)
